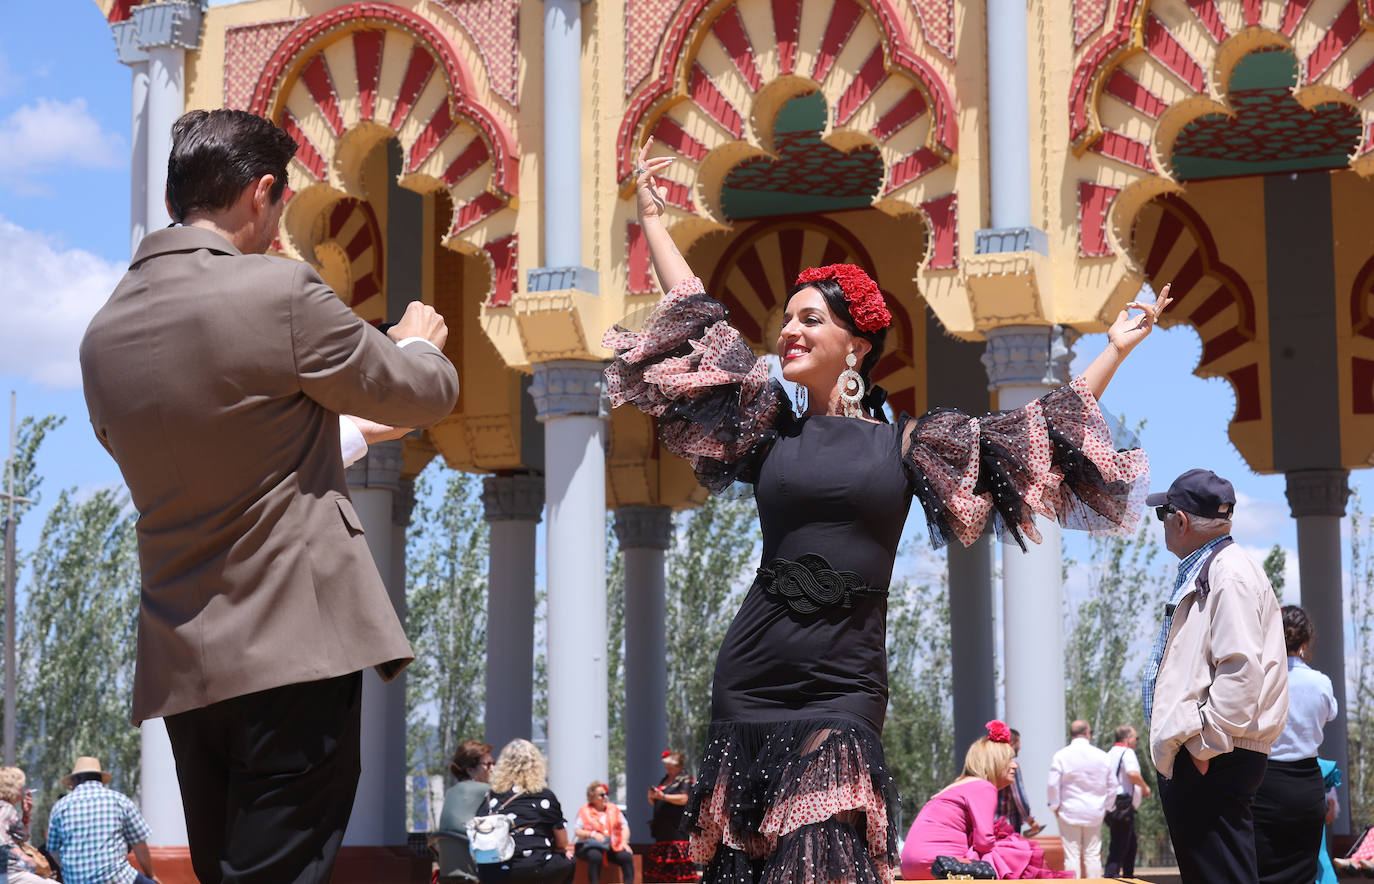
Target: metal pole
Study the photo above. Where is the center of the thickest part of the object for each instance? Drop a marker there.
(9, 593)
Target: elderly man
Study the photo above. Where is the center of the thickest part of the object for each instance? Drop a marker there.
(1080, 789)
(92, 829)
(1216, 685)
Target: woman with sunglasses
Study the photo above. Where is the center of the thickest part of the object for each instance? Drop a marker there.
(603, 835)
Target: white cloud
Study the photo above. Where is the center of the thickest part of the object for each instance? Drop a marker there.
(1258, 519)
(49, 135)
(49, 295)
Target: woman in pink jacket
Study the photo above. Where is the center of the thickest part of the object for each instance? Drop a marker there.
(958, 821)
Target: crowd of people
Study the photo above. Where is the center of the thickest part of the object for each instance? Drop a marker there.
(91, 831)
(516, 785)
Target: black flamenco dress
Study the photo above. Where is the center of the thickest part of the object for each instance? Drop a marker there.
(793, 788)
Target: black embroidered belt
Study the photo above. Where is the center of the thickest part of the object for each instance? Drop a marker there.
(810, 584)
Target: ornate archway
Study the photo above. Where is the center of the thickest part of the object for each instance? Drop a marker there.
(344, 82)
(726, 72)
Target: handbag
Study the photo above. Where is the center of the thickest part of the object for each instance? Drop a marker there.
(33, 857)
(489, 836)
(947, 867)
(1123, 809)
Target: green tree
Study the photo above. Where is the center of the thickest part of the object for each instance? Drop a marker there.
(709, 568)
(615, 657)
(918, 738)
(1274, 564)
(1103, 665)
(446, 598)
(76, 631)
(1360, 697)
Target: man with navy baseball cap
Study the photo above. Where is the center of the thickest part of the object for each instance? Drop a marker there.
(1216, 685)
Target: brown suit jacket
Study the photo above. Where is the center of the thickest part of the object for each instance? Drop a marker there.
(215, 379)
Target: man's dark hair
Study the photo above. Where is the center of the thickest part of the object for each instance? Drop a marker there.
(216, 154)
(1123, 733)
(86, 777)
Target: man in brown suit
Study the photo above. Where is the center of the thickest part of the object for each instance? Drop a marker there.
(215, 376)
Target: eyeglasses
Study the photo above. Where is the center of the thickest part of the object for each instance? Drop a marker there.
(600, 794)
(1163, 512)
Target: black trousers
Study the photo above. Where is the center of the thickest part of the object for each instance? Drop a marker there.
(1290, 813)
(267, 781)
(1121, 849)
(1210, 822)
(593, 856)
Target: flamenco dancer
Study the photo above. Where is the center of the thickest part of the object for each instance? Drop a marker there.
(793, 788)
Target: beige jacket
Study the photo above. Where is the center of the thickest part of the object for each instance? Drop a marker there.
(215, 379)
(1223, 681)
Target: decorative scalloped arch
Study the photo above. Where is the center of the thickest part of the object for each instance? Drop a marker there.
(1159, 65)
(346, 80)
(733, 65)
(754, 274)
(1214, 299)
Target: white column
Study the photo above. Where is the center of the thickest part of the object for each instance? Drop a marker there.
(513, 505)
(166, 103)
(644, 533)
(973, 658)
(1317, 500)
(160, 792)
(155, 98)
(1024, 363)
(138, 161)
(1008, 114)
(563, 170)
(373, 483)
(395, 771)
(569, 402)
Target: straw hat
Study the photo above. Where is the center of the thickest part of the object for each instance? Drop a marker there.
(86, 764)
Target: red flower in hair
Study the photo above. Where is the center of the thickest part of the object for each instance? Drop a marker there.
(998, 732)
(866, 303)
(667, 752)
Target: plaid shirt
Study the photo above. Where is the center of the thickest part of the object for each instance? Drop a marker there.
(1183, 585)
(91, 831)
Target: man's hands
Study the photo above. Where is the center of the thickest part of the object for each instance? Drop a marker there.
(421, 321)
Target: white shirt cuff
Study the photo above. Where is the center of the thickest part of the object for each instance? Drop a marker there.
(404, 341)
(351, 442)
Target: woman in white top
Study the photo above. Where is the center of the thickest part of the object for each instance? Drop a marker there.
(1290, 807)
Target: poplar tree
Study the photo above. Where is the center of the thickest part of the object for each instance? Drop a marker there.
(446, 618)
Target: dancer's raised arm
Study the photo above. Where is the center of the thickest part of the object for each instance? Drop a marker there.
(669, 264)
(1125, 333)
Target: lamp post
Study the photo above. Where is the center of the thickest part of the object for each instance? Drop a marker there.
(10, 499)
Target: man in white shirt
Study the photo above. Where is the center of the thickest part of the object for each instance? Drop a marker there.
(1121, 758)
(1082, 787)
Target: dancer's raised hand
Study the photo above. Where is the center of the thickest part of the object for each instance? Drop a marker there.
(652, 197)
(1128, 330)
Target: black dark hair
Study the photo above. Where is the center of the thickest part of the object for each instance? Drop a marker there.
(839, 305)
(1297, 628)
(86, 777)
(216, 154)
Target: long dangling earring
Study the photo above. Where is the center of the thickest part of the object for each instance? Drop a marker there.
(851, 387)
(801, 398)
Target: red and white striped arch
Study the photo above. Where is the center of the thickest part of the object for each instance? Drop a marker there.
(344, 81)
(1145, 69)
(726, 69)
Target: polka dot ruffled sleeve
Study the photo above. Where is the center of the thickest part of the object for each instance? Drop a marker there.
(714, 402)
(1052, 457)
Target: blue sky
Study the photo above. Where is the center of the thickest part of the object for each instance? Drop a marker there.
(64, 210)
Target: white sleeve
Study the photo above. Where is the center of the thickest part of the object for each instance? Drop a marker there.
(351, 442)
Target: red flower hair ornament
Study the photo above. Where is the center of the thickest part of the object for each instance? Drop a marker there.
(998, 732)
(866, 303)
